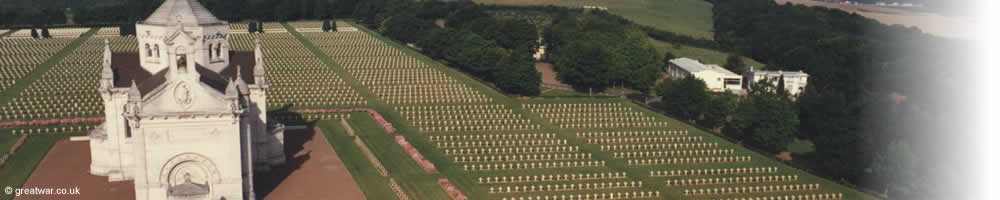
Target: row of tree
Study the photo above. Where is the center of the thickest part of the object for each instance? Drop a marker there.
(766, 118)
(594, 50)
(495, 50)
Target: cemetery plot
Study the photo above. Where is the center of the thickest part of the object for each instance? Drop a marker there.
(19, 57)
(465, 118)
(269, 27)
(55, 32)
(297, 77)
(398, 79)
(108, 32)
(68, 89)
(603, 115)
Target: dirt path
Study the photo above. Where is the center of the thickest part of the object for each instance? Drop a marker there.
(548, 74)
(314, 171)
(66, 166)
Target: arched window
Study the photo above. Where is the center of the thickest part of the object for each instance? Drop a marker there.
(156, 47)
(210, 51)
(218, 50)
(149, 52)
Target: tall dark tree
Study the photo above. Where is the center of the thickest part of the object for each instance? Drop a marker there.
(720, 106)
(735, 64)
(326, 25)
(685, 98)
(766, 118)
(34, 33)
(252, 27)
(667, 57)
(333, 25)
(45, 32)
(260, 27)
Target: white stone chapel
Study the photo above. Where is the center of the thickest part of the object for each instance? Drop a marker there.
(185, 116)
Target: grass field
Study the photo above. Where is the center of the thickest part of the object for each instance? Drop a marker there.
(707, 56)
(688, 17)
(467, 180)
(387, 86)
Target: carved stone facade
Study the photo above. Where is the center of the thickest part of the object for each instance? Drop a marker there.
(184, 118)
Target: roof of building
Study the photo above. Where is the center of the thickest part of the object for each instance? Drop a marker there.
(126, 68)
(779, 73)
(188, 12)
(692, 66)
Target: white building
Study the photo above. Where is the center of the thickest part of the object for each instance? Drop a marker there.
(716, 78)
(185, 117)
(795, 81)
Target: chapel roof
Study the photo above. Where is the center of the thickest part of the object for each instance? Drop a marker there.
(189, 12)
(126, 69)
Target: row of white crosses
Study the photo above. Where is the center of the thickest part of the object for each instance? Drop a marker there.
(600, 120)
(377, 64)
(615, 125)
(591, 114)
(440, 138)
(636, 147)
(470, 122)
(713, 171)
(564, 187)
(511, 150)
(497, 113)
(750, 189)
(451, 107)
(594, 196)
(644, 140)
(552, 178)
(672, 153)
(54, 32)
(579, 105)
(823, 196)
(46, 130)
(731, 180)
(462, 116)
(694, 160)
(433, 99)
(532, 165)
(522, 157)
(313, 117)
(360, 51)
(501, 143)
(579, 110)
(414, 90)
(481, 128)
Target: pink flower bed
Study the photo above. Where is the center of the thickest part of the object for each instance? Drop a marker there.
(451, 189)
(378, 117)
(426, 164)
(45, 122)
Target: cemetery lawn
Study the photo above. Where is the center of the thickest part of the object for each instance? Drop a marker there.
(24, 82)
(686, 17)
(466, 180)
(20, 165)
(801, 146)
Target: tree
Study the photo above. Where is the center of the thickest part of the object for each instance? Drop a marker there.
(766, 118)
(34, 33)
(685, 98)
(781, 86)
(735, 64)
(260, 27)
(252, 28)
(667, 57)
(585, 70)
(517, 74)
(333, 25)
(45, 33)
(719, 107)
(326, 25)
(896, 167)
